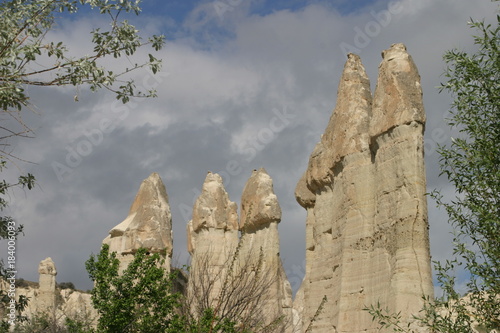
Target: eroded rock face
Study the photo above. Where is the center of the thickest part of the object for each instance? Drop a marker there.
(212, 242)
(213, 211)
(46, 300)
(347, 130)
(259, 204)
(260, 246)
(244, 274)
(214, 226)
(367, 230)
(148, 225)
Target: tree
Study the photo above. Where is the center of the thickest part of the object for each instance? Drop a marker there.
(28, 58)
(472, 165)
(234, 296)
(140, 299)
(9, 231)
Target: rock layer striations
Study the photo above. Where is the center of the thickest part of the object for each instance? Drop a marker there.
(364, 191)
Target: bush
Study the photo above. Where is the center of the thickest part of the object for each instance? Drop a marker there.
(66, 285)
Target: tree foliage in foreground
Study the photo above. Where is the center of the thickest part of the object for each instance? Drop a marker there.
(138, 300)
(29, 58)
(471, 163)
(141, 299)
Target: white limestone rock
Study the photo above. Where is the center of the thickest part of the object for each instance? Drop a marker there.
(367, 230)
(260, 215)
(212, 241)
(46, 299)
(148, 225)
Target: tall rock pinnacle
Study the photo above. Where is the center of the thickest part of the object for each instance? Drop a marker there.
(347, 130)
(212, 241)
(213, 211)
(364, 190)
(46, 301)
(398, 149)
(260, 215)
(148, 225)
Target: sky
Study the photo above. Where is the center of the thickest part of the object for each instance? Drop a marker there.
(229, 68)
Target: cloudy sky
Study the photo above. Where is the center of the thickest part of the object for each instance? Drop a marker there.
(229, 68)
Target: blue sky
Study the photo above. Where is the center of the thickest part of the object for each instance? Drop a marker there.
(178, 10)
(224, 78)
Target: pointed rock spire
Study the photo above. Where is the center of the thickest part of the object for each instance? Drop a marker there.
(46, 300)
(148, 224)
(212, 241)
(260, 246)
(366, 208)
(213, 209)
(347, 130)
(259, 204)
(398, 95)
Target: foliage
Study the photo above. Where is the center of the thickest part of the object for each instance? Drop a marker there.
(24, 27)
(472, 165)
(78, 326)
(209, 322)
(66, 285)
(232, 296)
(137, 300)
(316, 314)
(29, 58)
(42, 323)
(141, 299)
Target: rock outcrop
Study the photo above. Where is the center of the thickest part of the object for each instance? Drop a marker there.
(212, 241)
(53, 303)
(260, 246)
(148, 225)
(46, 300)
(367, 237)
(241, 278)
(364, 191)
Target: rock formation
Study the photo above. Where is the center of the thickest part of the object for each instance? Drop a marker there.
(364, 191)
(46, 300)
(260, 245)
(212, 241)
(366, 229)
(238, 277)
(148, 225)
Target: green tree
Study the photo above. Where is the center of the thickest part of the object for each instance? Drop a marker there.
(142, 299)
(471, 163)
(29, 58)
(138, 300)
